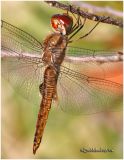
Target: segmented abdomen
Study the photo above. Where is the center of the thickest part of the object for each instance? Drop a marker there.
(48, 90)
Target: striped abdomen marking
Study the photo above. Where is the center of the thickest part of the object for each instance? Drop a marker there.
(49, 85)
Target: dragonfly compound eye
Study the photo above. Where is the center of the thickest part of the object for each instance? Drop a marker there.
(62, 23)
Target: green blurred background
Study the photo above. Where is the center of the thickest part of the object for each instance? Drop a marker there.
(64, 134)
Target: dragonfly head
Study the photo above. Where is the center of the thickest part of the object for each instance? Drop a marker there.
(62, 23)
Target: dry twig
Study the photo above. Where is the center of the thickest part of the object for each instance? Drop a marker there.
(96, 9)
(87, 15)
(115, 57)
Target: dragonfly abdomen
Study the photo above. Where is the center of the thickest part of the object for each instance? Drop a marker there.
(48, 91)
(54, 53)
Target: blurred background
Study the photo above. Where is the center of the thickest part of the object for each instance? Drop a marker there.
(64, 134)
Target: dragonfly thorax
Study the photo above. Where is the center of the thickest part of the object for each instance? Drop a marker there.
(62, 23)
(54, 48)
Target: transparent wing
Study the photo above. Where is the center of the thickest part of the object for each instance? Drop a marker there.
(79, 89)
(83, 52)
(18, 41)
(21, 61)
(101, 62)
(82, 94)
(24, 76)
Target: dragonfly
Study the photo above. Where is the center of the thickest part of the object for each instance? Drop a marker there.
(60, 73)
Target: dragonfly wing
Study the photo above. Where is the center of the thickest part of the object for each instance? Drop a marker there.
(21, 61)
(95, 63)
(77, 51)
(24, 76)
(82, 94)
(18, 41)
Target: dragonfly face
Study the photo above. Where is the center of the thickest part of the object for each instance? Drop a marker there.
(62, 23)
(23, 59)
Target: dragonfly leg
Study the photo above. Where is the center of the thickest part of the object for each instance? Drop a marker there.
(78, 22)
(76, 28)
(69, 6)
(92, 28)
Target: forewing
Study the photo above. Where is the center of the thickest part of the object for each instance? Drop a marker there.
(18, 41)
(95, 63)
(21, 61)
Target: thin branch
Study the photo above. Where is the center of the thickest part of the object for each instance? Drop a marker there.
(98, 59)
(118, 57)
(94, 9)
(91, 16)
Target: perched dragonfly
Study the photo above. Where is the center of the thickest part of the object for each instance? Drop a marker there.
(61, 72)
